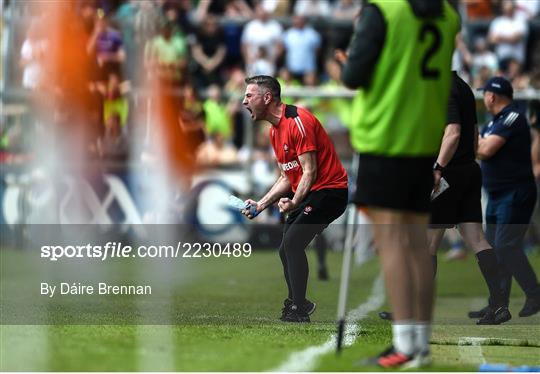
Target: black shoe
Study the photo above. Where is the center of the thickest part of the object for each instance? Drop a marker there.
(479, 313)
(323, 273)
(295, 314)
(286, 305)
(308, 308)
(495, 317)
(532, 306)
(387, 316)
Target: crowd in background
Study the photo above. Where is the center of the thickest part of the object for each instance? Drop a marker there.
(202, 50)
(509, 46)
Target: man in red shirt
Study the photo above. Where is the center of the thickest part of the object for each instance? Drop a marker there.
(311, 190)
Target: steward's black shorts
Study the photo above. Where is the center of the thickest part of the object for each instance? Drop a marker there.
(320, 207)
(460, 203)
(398, 183)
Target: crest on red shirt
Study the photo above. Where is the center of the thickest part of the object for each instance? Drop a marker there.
(285, 147)
(307, 209)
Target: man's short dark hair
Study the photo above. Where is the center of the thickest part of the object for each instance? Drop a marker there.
(268, 82)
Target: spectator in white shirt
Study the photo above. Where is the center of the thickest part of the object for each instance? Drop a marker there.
(312, 8)
(345, 9)
(527, 9)
(509, 35)
(278, 8)
(260, 32)
(262, 64)
(301, 45)
(482, 56)
(33, 51)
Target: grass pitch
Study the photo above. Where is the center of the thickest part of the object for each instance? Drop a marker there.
(223, 317)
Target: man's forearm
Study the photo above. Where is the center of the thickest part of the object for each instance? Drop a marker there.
(306, 182)
(480, 153)
(489, 146)
(281, 188)
(449, 146)
(198, 55)
(513, 39)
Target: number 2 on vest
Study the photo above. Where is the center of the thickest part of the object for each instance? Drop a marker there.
(426, 71)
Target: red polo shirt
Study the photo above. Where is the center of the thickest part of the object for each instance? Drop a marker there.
(298, 132)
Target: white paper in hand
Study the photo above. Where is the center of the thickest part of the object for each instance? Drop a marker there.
(443, 186)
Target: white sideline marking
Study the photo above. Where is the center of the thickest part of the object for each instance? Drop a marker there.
(155, 343)
(470, 350)
(306, 360)
(155, 348)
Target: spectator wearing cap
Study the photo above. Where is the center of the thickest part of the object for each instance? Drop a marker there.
(504, 147)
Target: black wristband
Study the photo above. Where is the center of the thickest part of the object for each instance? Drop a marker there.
(437, 166)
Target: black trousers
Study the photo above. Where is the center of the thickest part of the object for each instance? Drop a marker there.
(310, 218)
(508, 214)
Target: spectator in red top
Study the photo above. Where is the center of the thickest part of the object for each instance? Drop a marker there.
(312, 187)
(479, 9)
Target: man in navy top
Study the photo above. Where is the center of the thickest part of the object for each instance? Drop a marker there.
(504, 147)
